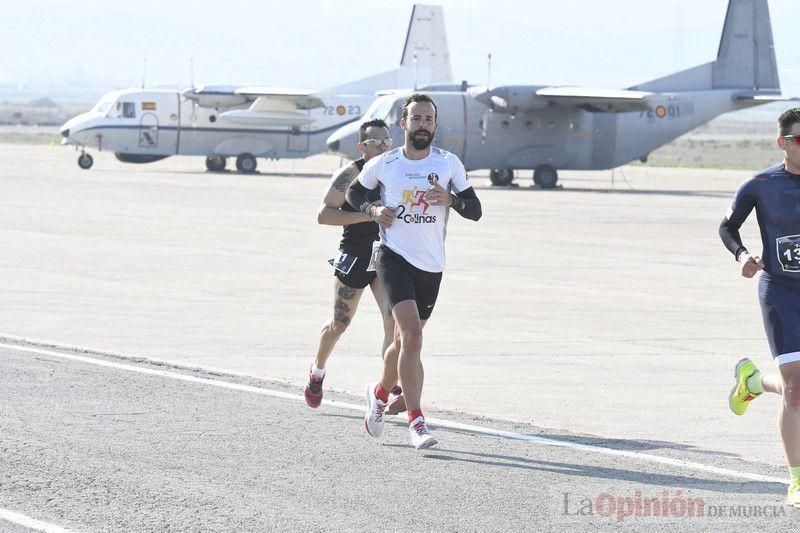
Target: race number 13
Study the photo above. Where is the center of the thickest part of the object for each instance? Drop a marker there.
(788, 248)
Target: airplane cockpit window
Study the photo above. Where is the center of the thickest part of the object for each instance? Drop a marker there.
(380, 108)
(128, 110)
(103, 106)
(396, 112)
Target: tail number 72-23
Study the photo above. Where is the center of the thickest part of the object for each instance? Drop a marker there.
(340, 110)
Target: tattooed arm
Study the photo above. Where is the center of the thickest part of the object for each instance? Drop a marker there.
(329, 211)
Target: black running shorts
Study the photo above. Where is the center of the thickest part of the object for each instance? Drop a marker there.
(359, 277)
(403, 281)
(780, 309)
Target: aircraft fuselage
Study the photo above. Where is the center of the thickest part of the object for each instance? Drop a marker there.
(160, 122)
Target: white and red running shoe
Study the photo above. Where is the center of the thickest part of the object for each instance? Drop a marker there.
(314, 390)
(397, 402)
(421, 437)
(373, 420)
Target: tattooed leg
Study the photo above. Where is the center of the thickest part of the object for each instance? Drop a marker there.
(345, 304)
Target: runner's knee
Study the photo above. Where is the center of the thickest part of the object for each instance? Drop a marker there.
(388, 327)
(791, 393)
(411, 339)
(337, 325)
(340, 323)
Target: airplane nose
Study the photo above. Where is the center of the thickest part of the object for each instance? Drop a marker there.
(65, 133)
(344, 141)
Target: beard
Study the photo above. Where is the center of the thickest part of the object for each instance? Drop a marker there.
(419, 142)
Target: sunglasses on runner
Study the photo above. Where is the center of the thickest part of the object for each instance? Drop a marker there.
(377, 142)
(792, 138)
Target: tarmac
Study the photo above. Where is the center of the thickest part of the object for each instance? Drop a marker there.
(606, 311)
(95, 444)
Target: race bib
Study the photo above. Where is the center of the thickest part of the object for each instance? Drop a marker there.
(343, 262)
(373, 258)
(789, 252)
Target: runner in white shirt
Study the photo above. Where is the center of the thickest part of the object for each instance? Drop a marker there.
(414, 181)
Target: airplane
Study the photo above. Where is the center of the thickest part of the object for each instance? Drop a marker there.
(547, 129)
(145, 125)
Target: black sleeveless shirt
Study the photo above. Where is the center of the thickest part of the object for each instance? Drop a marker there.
(358, 238)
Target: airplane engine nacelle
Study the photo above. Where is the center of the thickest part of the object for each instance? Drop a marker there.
(520, 101)
(513, 100)
(220, 101)
(216, 97)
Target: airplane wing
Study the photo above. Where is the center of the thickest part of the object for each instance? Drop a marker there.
(267, 106)
(274, 106)
(607, 100)
(764, 98)
(513, 99)
(228, 96)
(300, 98)
(215, 96)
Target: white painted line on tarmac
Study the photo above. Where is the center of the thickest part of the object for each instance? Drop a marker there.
(442, 423)
(30, 523)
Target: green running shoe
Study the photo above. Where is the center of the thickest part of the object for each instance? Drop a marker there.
(793, 495)
(740, 395)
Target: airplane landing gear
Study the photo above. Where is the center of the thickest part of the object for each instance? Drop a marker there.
(501, 176)
(85, 161)
(545, 176)
(246, 163)
(215, 163)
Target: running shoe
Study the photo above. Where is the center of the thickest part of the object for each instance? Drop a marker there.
(793, 495)
(740, 395)
(397, 402)
(373, 420)
(314, 390)
(421, 436)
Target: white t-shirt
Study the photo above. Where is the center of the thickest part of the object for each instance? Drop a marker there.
(418, 231)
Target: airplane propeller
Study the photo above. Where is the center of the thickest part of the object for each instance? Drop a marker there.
(485, 121)
(194, 100)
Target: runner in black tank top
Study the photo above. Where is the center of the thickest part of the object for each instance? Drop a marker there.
(356, 243)
(358, 238)
(350, 264)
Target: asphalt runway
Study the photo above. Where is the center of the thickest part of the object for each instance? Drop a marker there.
(92, 443)
(606, 312)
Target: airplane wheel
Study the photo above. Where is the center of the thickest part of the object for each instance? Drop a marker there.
(501, 176)
(545, 176)
(85, 161)
(215, 163)
(246, 163)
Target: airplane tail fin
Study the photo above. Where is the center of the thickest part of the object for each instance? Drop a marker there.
(426, 56)
(425, 59)
(745, 59)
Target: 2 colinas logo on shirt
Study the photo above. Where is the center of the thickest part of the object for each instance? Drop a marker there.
(414, 208)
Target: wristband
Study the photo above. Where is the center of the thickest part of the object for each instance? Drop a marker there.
(740, 253)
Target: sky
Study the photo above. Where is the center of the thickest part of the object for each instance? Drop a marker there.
(83, 48)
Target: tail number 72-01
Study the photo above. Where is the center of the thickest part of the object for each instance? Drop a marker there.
(661, 111)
